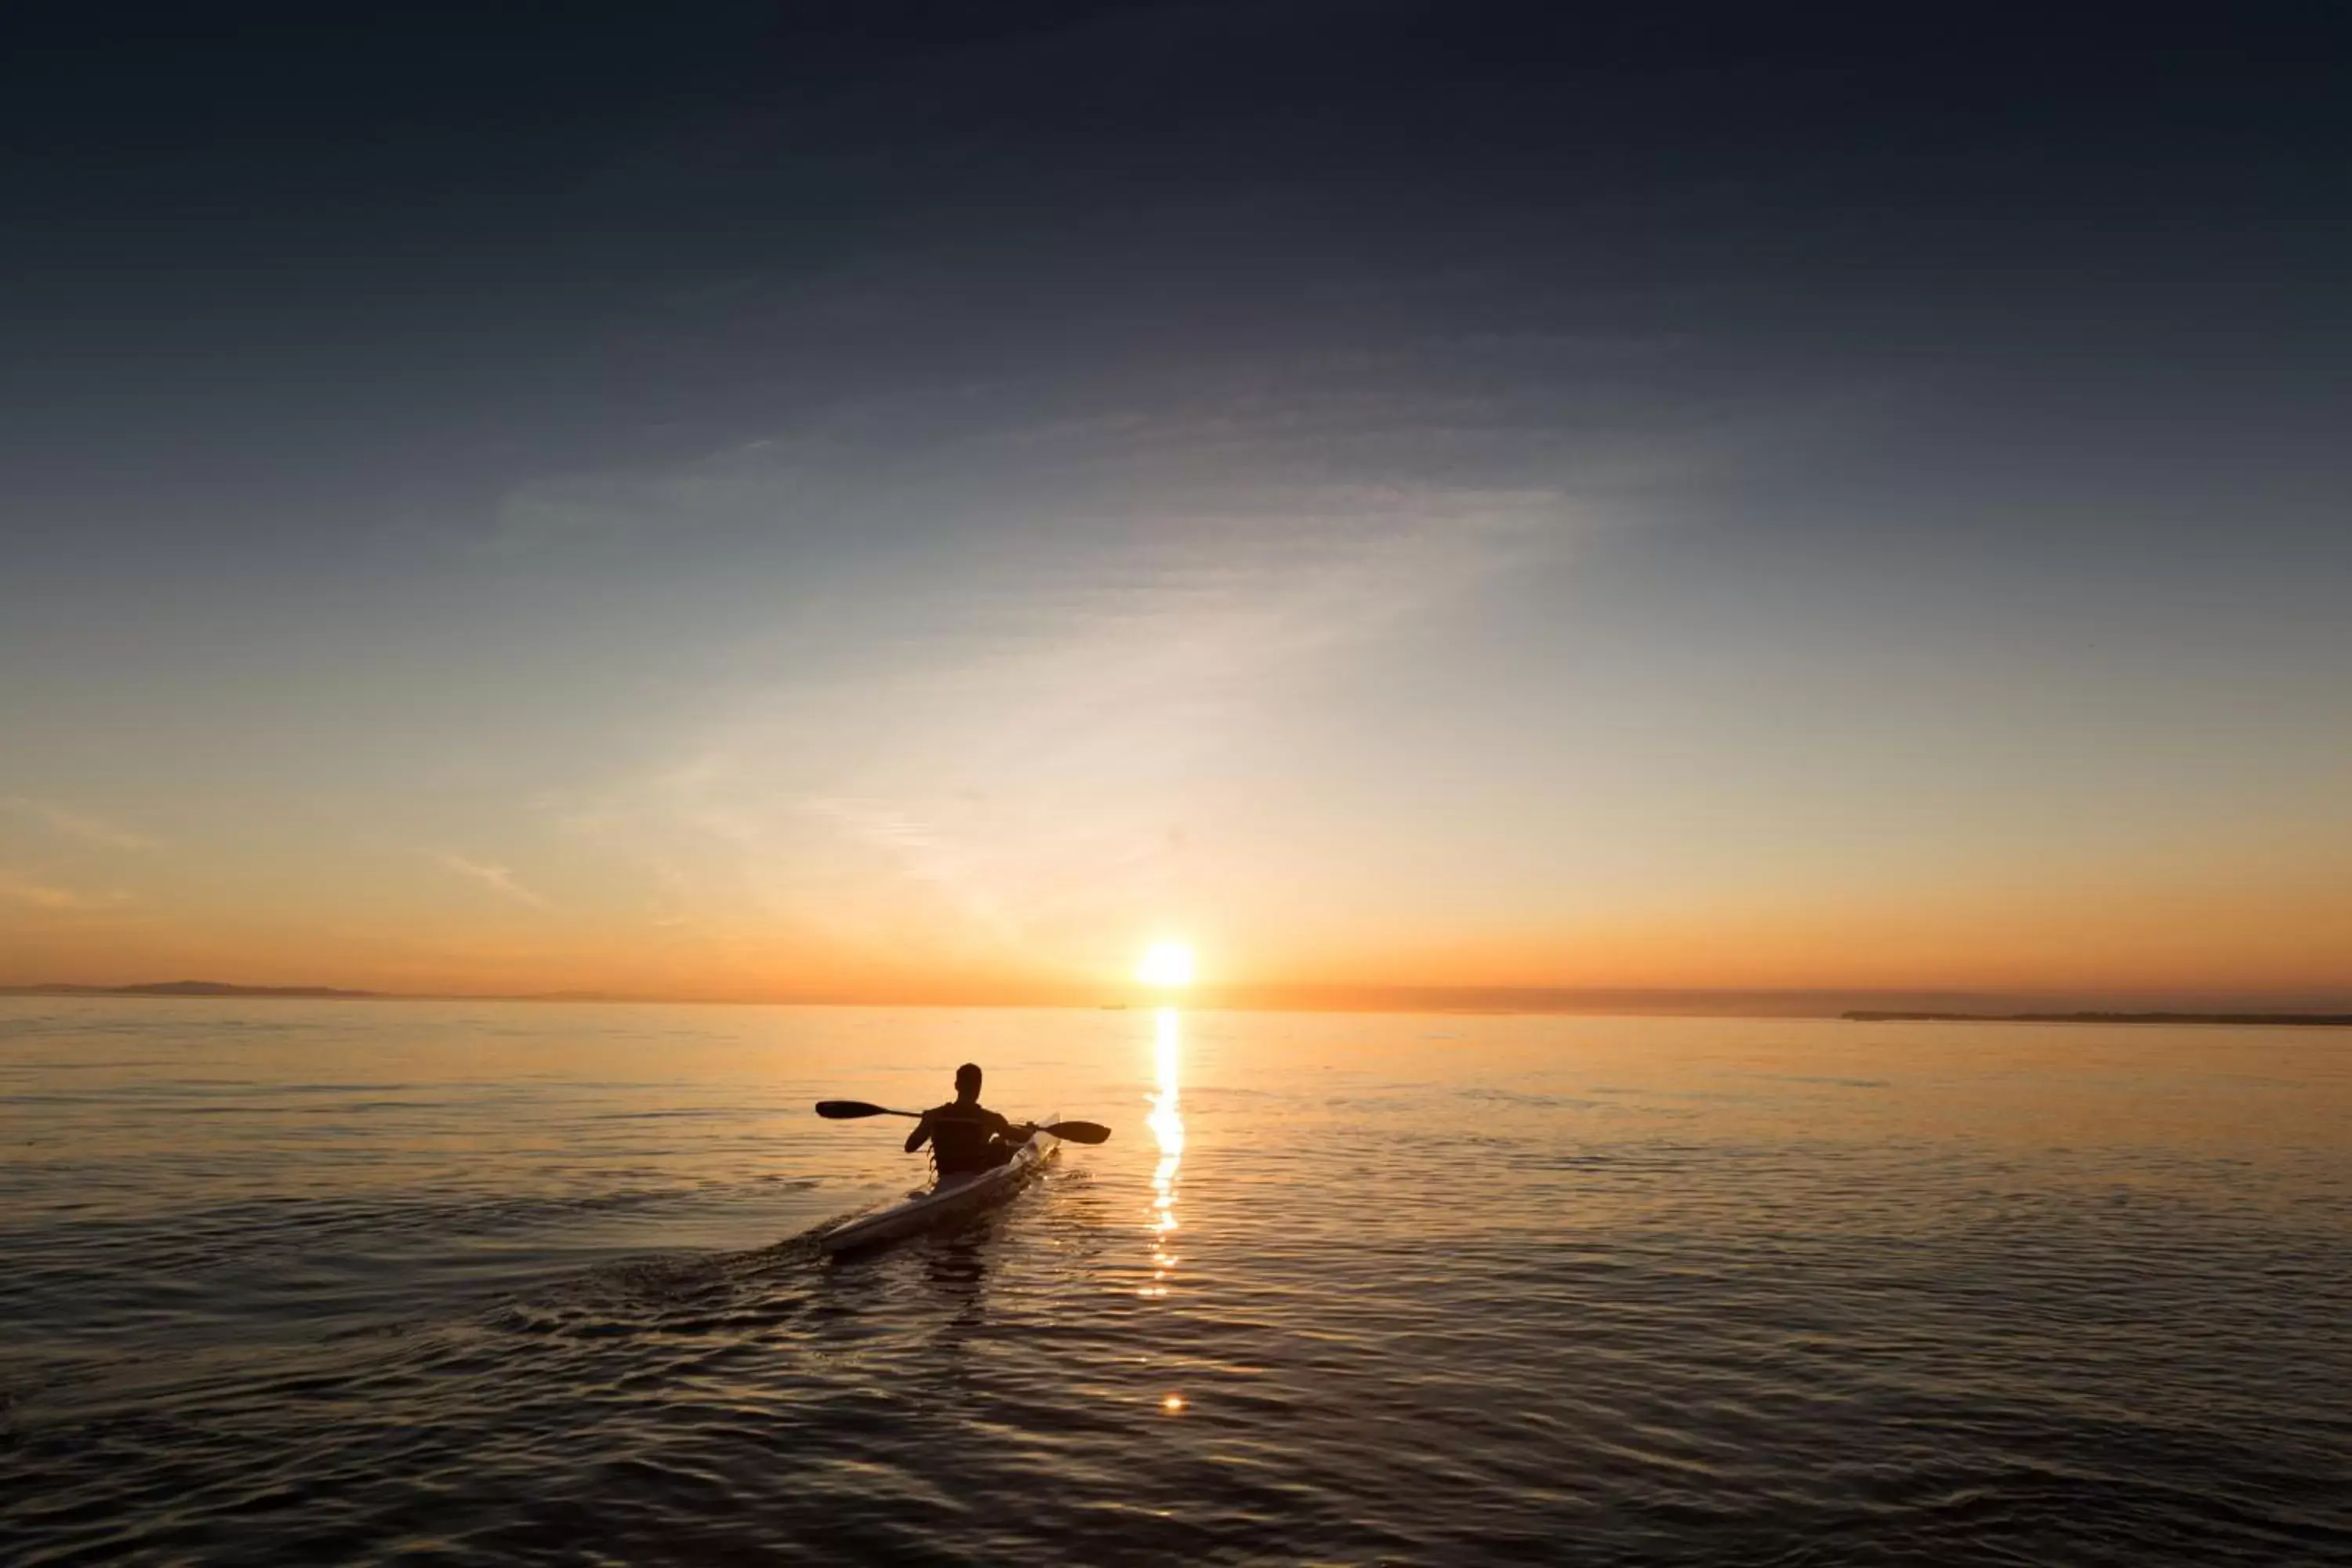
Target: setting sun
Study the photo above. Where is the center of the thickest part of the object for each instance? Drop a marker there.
(1166, 963)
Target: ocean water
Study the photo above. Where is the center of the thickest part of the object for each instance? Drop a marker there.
(362, 1282)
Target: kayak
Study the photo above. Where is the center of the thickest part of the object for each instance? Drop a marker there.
(950, 1197)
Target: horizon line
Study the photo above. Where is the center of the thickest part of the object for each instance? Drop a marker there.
(1536, 1000)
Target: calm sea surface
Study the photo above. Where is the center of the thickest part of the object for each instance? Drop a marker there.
(414, 1282)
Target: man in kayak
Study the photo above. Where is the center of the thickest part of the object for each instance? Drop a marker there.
(964, 1134)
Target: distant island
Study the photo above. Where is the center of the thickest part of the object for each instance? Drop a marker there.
(283, 993)
(187, 988)
(2306, 1020)
(295, 993)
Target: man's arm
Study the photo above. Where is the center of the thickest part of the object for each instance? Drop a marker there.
(920, 1135)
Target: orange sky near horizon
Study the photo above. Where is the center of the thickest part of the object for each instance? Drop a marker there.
(1016, 826)
(2287, 933)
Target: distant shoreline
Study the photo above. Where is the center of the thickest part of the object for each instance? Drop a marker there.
(186, 988)
(219, 989)
(2301, 1020)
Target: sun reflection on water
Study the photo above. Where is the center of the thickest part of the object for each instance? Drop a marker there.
(1167, 1124)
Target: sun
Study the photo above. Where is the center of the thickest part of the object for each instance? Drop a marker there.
(1166, 963)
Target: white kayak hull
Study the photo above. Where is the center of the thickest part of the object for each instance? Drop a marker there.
(953, 1197)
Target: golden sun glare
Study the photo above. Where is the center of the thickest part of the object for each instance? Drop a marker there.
(1166, 963)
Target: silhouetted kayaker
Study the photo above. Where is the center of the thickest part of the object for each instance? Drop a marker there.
(964, 1134)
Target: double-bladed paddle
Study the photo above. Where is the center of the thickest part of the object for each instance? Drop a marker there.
(851, 1110)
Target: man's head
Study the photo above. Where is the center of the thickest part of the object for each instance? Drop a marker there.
(968, 1082)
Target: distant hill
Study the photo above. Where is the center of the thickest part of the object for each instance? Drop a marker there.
(294, 992)
(2305, 1020)
(186, 988)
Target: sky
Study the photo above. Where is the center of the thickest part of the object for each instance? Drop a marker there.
(916, 503)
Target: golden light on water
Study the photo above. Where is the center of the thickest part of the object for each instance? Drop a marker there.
(1166, 963)
(1167, 1124)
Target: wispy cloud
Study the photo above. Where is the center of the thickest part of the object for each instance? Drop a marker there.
(497, 878)
(21, 889)
(921, 853)
(757, 479)
(1010, 647)
(1019, 725)
(81, 826)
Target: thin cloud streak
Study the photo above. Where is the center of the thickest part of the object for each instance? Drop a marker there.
(24, 890)
(80, 826)
(922, 854)
(497, 878)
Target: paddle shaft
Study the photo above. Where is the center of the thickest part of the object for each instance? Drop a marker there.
(844, 1109)
(852, 1110)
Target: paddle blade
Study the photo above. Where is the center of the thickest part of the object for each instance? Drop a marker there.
(848, 1109)
(1079, 1132)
